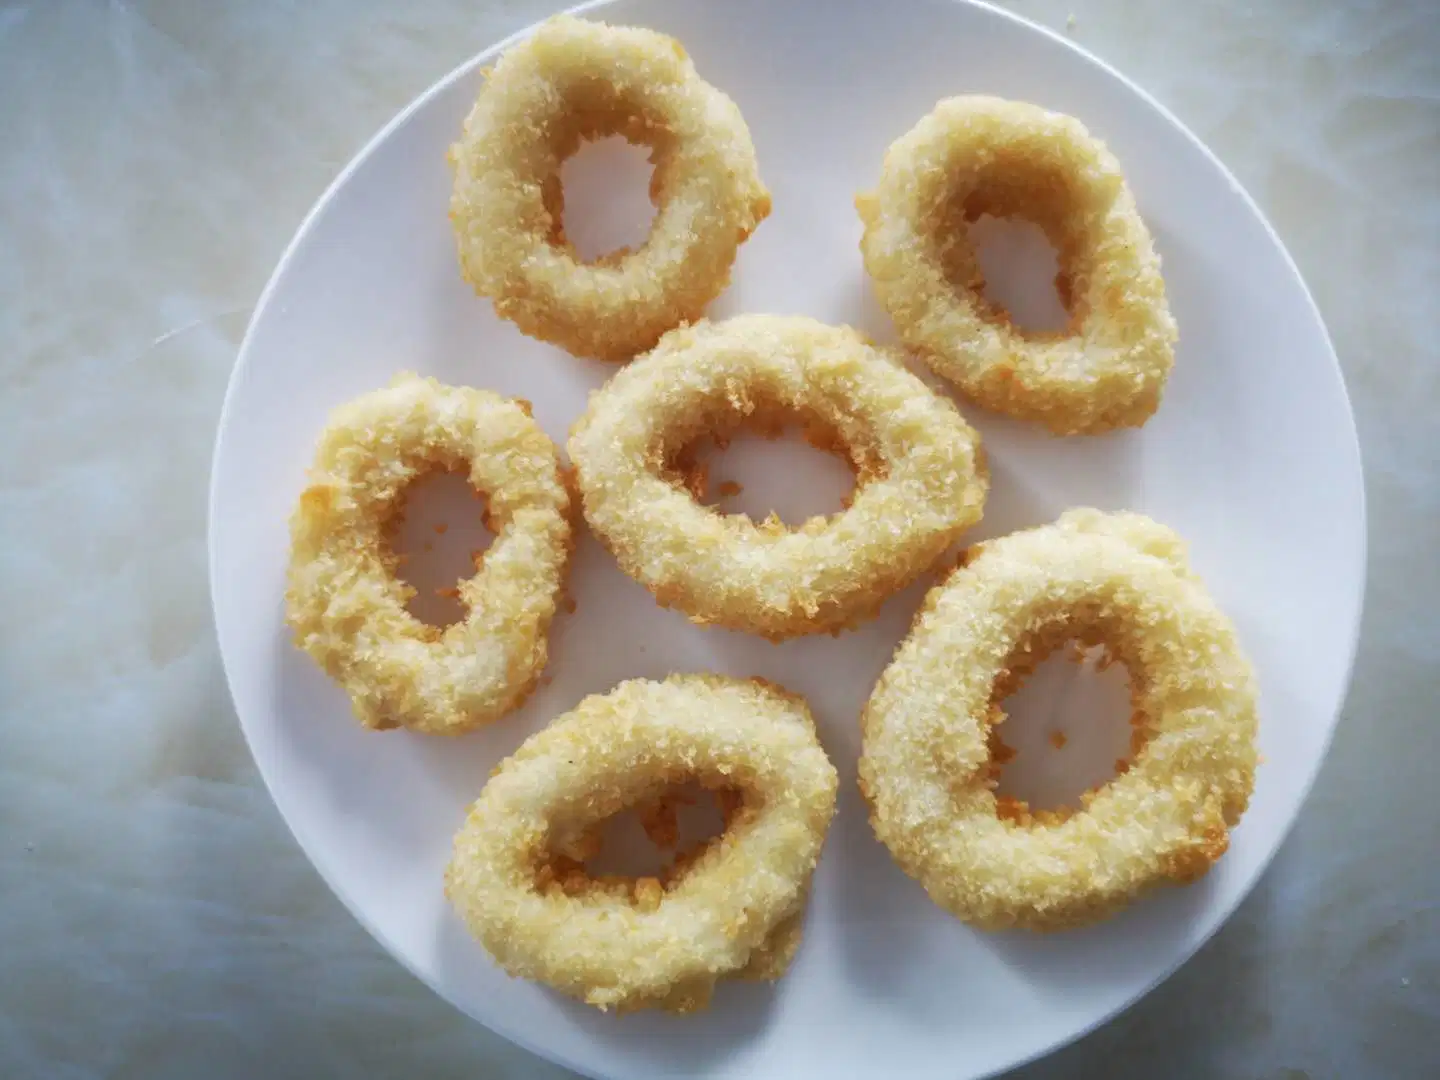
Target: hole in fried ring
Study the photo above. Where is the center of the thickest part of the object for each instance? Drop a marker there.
(767, 447)
(430, 556)
(343, 601)
(977, 156)
(574, 81)
(922, 477)
(1073, 693)
(604, 203)
(676, 823)
(1014, 256)
(927, 765)
(734, 910)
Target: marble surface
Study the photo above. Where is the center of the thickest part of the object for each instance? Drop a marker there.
(156, 919)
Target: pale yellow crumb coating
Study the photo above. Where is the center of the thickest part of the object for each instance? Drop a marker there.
(575, 80)
(982, 155)
(735, 911)
(922, 475)
(343, 601)
(926, 770)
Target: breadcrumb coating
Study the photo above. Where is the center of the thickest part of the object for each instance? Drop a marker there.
(343, 600)
(921, 475)
(974, 156)
(734, 911)
(926, 763)
(573, 81)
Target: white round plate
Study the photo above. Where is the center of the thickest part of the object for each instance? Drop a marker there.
(1252, 457)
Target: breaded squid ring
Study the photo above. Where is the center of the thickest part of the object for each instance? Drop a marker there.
(926, 768)
(974, 156)
(343, 601)
(574, 81)
(734, 910)
(921, 478)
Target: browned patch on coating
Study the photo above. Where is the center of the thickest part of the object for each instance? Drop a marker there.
(660, 819)
(1018, 812)
(647, 893)
(730, 801)
(1009, 808)
(1000, 753)
(1191, 864)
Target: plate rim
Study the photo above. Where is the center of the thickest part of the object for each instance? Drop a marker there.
(1350, 438)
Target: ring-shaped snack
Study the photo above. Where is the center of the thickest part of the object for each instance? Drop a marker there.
(343, 601)
(926, 767)
(572, 81)
(735, 908)
(921, 475)
(974, 156)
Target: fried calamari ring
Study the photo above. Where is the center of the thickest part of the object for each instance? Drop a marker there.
(573, 81)
(921, 478)
(346, 606)
(926, 768)
(735, 908)
(974, 156)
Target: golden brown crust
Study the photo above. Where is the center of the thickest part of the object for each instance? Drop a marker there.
(575, 80)
(921, 474)
(927, 763)
(732, 909)
(976, 155)
(343, 601)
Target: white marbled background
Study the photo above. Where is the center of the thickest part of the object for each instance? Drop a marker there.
(157, 921)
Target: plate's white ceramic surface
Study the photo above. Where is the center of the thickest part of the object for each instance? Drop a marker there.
(1252, 457)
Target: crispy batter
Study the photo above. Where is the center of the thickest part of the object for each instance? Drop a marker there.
(921, 476)
(925, 766)
(733, 909)
(572, 81)
(974, 156)
(343, 601)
